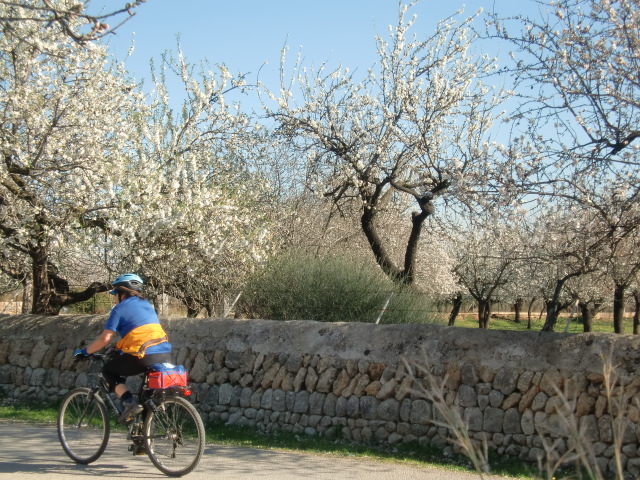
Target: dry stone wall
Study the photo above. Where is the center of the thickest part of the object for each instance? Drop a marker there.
(370, 383)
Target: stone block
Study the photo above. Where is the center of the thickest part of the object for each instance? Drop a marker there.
(389, 410)
(421, 412)
(316, 403)
(496, 398)
(511, 401)
(4, 351)
(266, 401)
(294, 363)
(301, 404)
(552, 382)
(341, 382)
(280, 376)
(405, 410)
(469, 376)
(353, 407)
(38, 353)
(298, 381)
(512, 421)
(506, 380)
(270, 375)
(37, 377)
(375, 370)
(539, 402)
(341, 407)
(361, 383)
(369, 407)
(556, 404)
(373, 388)
(67, 380)
(311, 379)
(278, 400)
(329, 407)
(467, 396)
(524, 381)
(405, 389)
(474, 419)
(199, 370)
(493, 419)
(326, 379)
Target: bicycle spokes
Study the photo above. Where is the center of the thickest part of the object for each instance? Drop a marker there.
(83, 426)
(174, 436)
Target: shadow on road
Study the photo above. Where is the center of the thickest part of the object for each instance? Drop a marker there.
(28, 450)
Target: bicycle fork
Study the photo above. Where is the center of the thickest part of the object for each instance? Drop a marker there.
(87, 411)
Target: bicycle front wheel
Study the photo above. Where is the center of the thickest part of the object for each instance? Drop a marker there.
(83, 425)
(174, 436)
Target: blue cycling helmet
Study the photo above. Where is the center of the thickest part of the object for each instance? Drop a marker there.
(130, 281)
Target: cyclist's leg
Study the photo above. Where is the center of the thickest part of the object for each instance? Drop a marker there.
(118, 368)
(115, 371)
(125, 365)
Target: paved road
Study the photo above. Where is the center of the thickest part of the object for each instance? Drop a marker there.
(28, 451)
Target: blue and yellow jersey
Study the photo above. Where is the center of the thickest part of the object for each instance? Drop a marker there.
(137, 323)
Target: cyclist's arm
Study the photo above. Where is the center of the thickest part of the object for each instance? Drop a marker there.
(104, 339)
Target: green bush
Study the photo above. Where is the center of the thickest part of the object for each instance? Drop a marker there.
(100, 303)
(300, 286)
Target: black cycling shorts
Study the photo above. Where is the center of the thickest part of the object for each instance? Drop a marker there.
(125, 365)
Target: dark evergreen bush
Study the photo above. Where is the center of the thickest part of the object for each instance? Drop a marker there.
(299, 286)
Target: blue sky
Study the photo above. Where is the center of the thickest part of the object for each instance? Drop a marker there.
(245, 35)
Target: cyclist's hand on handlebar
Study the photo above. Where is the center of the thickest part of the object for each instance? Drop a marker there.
(80, 353)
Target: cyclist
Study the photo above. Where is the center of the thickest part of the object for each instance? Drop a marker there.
(143, 340)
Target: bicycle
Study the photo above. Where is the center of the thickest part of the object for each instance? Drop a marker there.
(169, 430)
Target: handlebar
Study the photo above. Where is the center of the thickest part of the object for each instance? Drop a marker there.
(103, 357)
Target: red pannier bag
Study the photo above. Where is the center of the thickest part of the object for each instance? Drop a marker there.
(167, 375)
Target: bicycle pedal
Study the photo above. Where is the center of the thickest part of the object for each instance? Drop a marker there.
(137, 449)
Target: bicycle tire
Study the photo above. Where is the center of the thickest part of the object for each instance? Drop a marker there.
(174, 436)
(83, 426)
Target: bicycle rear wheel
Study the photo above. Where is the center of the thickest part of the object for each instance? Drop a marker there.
(83, 426)
(174, 436)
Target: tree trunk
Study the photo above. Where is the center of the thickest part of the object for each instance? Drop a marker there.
(636, 313)
(457, 304)
(588, 313)
(553, 311)
(554, 307)
(411, 250)
(27, 295)
(530, 313)
(41, 288)
(406, 275)
(618, 307)
(367, 221)
(484, 313)
(518, 309)
(192, 312)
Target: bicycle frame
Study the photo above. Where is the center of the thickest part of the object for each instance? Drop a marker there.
(146, 395)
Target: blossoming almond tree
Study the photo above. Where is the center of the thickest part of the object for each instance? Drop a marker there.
(487, 255)
(413, 131)
(64, 138)
(577, 73)
(193, 214)
(73, 17)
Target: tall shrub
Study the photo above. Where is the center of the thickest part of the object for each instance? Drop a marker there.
(334, 288)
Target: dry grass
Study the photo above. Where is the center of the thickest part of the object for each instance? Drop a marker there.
(572, 455)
